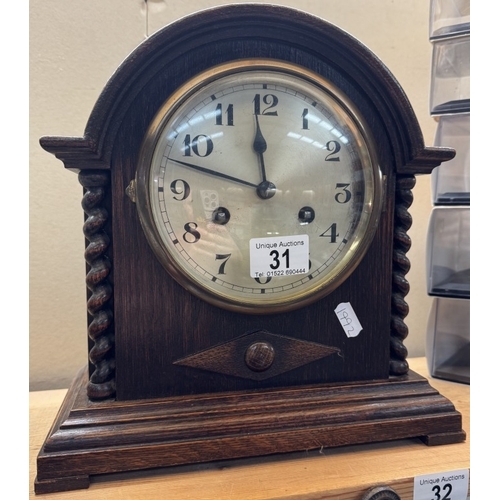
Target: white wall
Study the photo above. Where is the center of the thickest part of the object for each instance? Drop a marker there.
(74, 48)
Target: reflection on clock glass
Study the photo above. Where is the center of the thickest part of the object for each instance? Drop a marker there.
(253, 152)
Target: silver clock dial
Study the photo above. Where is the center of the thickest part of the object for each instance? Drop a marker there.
(258, 186)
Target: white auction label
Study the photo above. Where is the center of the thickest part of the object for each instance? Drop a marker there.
(452, 485)
(279, 256)
(348, 319)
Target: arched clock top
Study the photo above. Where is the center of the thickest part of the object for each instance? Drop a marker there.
(242, 31)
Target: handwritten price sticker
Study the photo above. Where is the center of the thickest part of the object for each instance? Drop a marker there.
(453, 485)
(348, 319)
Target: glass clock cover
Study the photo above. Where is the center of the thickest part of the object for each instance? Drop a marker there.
(258, 186)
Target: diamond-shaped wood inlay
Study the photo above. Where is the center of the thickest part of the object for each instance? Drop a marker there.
(257, 355)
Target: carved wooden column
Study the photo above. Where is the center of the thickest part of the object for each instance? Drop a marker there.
(401, 265)
(101, 383)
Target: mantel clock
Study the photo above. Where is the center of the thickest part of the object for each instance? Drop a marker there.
(247, 175)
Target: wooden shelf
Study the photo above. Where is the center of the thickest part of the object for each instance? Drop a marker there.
(338, 473)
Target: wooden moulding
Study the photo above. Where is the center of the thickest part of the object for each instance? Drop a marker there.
(89, 438)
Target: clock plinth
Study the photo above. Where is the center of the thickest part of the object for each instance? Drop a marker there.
(90, 439)
(203, 361)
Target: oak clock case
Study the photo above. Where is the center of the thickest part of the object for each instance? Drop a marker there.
(231, 147)
(222, 170)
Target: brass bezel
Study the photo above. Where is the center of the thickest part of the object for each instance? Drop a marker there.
(349, 262)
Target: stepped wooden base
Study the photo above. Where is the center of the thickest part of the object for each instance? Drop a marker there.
(90, 438)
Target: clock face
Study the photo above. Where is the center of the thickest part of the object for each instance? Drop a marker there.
(258, 186)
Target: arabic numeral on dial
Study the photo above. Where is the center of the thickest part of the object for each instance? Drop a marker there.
(270, 101)
(224, 258)
(305, 121)
(331, 233)
(265, 281)
(345, 195)
(180, 188)
(191, 235)
(229, 115)
(201, 145)
(334, 148)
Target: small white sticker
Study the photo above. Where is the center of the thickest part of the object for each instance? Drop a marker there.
(348, 319)
(452, 485)
(279, 256)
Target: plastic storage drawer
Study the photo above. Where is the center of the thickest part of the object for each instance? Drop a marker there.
(449, 17)
(451, 180)
(448, 339)
(450, 75)
(448, 252)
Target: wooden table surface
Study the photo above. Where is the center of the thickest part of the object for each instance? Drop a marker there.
(339, 473)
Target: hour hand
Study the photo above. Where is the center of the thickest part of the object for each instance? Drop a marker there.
(215, 173)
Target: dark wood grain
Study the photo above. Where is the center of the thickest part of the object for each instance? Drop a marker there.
(97, 438)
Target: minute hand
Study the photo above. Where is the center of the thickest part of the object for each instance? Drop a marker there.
(213, 172)
(260, 146)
